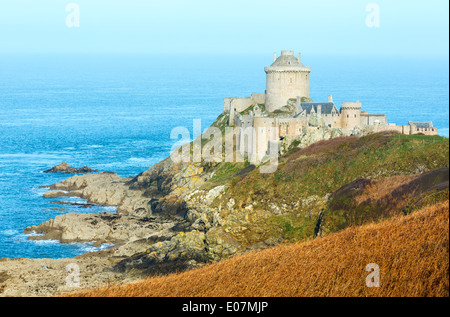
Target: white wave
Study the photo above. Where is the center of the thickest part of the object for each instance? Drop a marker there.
(30, 155)
(45, 242)
(76, 200)
(24, 236)
(92, 146)
(110, 209)
(38, 192)
(88, 247)
(139, 160)
(34, 158)
(9, 232)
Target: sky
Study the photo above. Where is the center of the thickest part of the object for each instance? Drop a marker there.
(344, 27)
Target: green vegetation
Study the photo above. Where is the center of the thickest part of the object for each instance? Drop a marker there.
(225, 171)
(325, 167)
(294, 227)
(247, 111)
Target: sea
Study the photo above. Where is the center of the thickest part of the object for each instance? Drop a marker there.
(115, 113)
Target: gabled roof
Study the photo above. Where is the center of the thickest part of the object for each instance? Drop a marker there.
(423, 125)
(327, 107)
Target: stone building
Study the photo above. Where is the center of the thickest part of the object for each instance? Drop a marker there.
(286, 113)
(286, 79)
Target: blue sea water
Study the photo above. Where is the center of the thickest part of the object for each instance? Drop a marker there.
(115, 113)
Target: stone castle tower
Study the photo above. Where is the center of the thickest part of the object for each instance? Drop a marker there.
(286, 79)
(351, 115)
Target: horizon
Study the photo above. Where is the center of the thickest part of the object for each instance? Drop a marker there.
(352, 28)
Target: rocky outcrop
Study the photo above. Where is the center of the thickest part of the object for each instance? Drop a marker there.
(107, 189)
(102, 228)
(67, 169)
(49, 277)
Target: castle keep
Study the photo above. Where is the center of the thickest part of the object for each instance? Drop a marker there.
(286, 113)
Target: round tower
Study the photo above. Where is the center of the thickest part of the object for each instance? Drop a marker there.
(351, 115)
(286, 79)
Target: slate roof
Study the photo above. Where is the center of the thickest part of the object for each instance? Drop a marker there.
(327, 107)
(423, 125)
(287, 60)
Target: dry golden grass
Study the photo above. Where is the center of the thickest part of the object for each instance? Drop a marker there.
(412, 253)
(383, 187)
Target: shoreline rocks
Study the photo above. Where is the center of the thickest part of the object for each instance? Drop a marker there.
(50, 277)
(164, 221)
(102, 228)
(65, 168)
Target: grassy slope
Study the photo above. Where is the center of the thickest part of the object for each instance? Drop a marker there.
(325, 167)
(411, 251)
(365, 220)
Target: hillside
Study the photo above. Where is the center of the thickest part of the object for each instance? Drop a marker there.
(178, 217)
(411, 251)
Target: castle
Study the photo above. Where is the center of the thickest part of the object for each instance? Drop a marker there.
(287, 112)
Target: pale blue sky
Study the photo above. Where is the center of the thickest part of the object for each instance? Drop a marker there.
(407, 27)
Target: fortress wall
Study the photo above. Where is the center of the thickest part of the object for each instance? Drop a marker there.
(295, 126)
(333, 121)
(282, 86)
(226, 104)
(370, 119)
(392, 127)
(259, 99)
(350, 118)
(238, 103)
(242, 103)
(264, 134)
(405, 129)
(426, 131)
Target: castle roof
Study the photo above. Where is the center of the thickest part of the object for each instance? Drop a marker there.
(327, 107)
(423, 125)
(287, 62)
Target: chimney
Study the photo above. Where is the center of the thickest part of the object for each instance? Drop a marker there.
(274, 56)
(330, 98)
(319, 109)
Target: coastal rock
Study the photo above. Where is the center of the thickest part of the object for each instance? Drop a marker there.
(49, 277)
(221, 244)
(67, 169)
(107, 189)
(182, 252)
(103, 227)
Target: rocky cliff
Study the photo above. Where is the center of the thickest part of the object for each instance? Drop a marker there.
(179, 216)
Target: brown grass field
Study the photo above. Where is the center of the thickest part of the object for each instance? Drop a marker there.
(411, 251)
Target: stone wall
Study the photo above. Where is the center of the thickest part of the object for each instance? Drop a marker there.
(351, 115)
(372, 119)
(332, 120)
(239, 104)
(284, 85)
